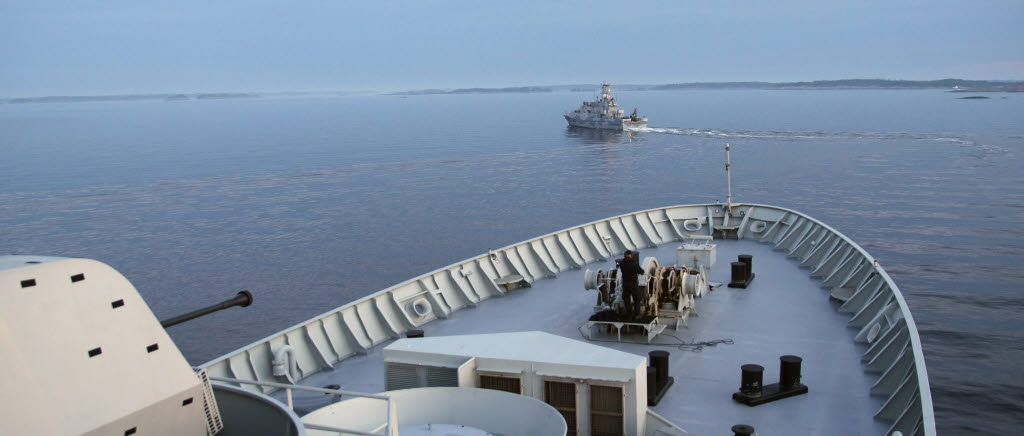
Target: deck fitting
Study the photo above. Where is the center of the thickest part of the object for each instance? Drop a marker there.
(770, 393)
(789, 385)
(742, 430)
(742, 272)
(659, 363)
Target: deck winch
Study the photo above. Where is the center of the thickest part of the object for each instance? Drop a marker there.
(667, 292)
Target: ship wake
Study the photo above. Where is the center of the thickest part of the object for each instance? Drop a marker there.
(790, 135)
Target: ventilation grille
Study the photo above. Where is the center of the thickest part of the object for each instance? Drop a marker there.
(606, 411)
(562, 396)
(442, 377)
(507, 384)
(213, 421)
(401, 376)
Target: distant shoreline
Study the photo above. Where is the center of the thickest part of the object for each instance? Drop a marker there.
(129, 97)
(510, 90)
(952, 85)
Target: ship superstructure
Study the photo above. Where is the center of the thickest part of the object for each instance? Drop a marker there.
(604, 113)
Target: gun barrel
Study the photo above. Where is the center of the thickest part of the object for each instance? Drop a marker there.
(243, 299)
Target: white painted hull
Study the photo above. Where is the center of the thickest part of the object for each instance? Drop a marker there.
(605, 123)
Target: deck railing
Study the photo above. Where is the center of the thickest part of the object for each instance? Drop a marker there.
(385, 429)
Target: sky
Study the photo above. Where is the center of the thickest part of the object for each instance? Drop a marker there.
(93, 47)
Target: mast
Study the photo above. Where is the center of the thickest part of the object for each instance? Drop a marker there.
(728, 178)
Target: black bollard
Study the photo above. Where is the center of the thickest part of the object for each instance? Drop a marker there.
(742, 271)
(751, 380)
(739, 275)
(334, 397)
(652, 384)
(659, 362)
(749, 260)
(742, 430)
(789, 371)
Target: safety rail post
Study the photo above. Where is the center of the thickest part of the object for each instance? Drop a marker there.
(388, 428)
(391, 428)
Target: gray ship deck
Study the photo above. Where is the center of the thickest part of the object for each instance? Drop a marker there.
(784, 311)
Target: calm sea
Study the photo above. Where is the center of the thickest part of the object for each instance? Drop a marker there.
(312, 202)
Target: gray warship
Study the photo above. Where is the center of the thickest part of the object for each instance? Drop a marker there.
(604, 113)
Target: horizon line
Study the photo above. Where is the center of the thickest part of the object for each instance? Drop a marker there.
(256, 94)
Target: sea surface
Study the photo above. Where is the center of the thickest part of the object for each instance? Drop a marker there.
(311, 202)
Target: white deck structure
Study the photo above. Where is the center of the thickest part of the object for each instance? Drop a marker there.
(529, 360)
(868, 379)
(442, 411)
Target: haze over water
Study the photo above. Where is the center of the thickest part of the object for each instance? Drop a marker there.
(313, 202)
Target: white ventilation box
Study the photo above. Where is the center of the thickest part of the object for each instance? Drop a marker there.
(695, 254)
(570, 375)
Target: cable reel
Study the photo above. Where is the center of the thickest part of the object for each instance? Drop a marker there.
(606, 283)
